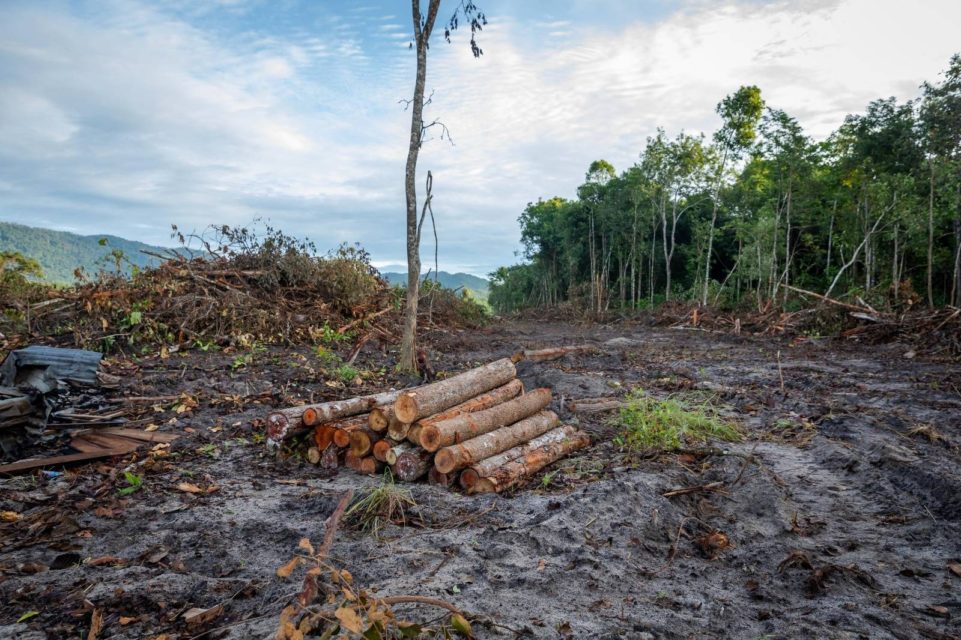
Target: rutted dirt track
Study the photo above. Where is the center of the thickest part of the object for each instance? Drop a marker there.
(841, 514)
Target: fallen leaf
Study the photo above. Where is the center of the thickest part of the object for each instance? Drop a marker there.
(28, 615)
(955, 568)
(151, 427)
(294, 482)
(124, 621)
(10, 516)
(96, 624)
(287, 569)
(541, 565)
(937, 610)
(349, 620)
(197, 616)
(187, 487)
(306, 546)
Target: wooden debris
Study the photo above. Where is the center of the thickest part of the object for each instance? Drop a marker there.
(515, 471)
(596, 405)
(412, 464)
(470, 425)
(366, 464)
(286, 423)
(439, 396)
(461, 455)
(487, 466)
(552, 353)
(362, 441)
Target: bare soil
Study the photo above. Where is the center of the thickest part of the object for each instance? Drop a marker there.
(837, 517)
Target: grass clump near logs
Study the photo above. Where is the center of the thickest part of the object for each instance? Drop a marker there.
(383, 505)
(652, 424)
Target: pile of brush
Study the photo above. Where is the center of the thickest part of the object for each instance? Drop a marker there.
(478, 428)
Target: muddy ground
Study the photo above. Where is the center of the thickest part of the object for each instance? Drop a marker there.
(842, 515)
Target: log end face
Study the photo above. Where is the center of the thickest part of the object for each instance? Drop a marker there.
(445, 460)
(484, 485)
(405, 408)
(342, 438)
(429, 438)
(377, 419)
(468, 479)
(309, 417)
(277, 427)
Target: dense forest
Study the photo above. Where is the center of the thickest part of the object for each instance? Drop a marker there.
(758, 211)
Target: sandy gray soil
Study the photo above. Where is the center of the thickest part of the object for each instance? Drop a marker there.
(841, 519)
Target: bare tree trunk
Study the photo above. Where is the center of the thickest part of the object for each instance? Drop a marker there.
(931, 235)
(408, 346)
(827, 266)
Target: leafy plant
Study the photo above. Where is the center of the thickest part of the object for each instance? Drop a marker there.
(652, 424)
(346, 373)
(133, 483)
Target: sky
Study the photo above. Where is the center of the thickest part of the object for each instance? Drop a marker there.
(127, 116)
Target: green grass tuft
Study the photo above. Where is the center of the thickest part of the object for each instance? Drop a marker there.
(651, 424)
(381, 506)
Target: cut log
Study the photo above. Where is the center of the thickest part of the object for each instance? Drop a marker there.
(381, 447)
(343, 429)
(433, 398)
(484, 401)
(397, 450)
(414, 434)
(331, 458)
(323, 436)
(553, 353)
(362, 441)
(435, 477)
(596, 405)
(367, 464)
(487, 466)
(515, 471)
(412, 464)
(397, 430)
(286, 423)
(470, 425)
(466, 453)
(379, 418)
(313, 455)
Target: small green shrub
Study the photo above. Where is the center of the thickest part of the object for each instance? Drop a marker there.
(652, 424)
(381, 506)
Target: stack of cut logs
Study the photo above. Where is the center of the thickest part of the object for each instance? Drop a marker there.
(478, 427)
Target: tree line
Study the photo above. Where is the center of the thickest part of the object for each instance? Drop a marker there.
(759, 210)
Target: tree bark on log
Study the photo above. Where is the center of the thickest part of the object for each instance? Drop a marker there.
(414, 434)
(286, 423)
(552, 353)
(488, 466)
(395, 451)
(484, 401)
(412, 464)
(466, 453)
(433, 398)
(362, 442)
(470, 425)
(331, 458)
(366, 464)
(515, 471)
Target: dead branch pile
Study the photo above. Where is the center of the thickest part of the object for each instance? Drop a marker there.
(240, 289)
(935, 331)
(478, 426)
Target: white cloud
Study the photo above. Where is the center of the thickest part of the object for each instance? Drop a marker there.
(131, 117)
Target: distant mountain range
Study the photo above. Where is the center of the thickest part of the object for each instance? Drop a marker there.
(477, 286)
(61, 252)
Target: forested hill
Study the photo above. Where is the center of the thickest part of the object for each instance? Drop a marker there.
(473, 283)
(758, 210)
(60, 252)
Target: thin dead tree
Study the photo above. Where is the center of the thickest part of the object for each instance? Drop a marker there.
(423, 27)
